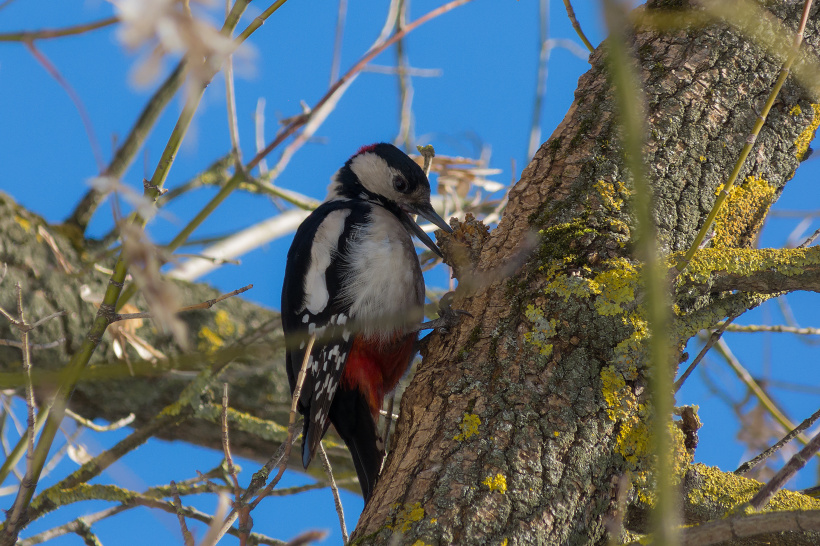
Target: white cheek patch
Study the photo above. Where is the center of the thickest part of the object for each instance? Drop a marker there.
(375, 174)
(322, 252)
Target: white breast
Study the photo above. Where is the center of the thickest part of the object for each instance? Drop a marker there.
(383, 285)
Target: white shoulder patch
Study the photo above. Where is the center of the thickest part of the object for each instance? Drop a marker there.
(321, 254)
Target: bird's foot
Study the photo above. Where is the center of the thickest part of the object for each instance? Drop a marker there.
(448, 318)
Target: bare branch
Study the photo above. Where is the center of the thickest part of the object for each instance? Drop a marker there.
(116, 425)
(279, 459)
(779, 328)
(577, 26)
(797, 462)
(721, 531)
(713, 338)
(336, 499)
(186, 534)
(43, 34)
(204, 305)
(747, 466)
(341, 15)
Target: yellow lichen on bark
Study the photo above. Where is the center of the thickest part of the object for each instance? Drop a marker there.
(802, 142)
(731, 491)
(407, 516)
(745, 262)
(497, 483)
(750, 200)
(468, 427)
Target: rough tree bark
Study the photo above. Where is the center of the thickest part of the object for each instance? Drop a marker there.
(519, 425)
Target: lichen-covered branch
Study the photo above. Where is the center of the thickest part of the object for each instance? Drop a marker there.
(764, 271)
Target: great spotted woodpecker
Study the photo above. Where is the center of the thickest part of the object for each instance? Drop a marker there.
(353, 279)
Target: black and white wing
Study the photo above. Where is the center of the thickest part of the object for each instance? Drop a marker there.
(312, 304)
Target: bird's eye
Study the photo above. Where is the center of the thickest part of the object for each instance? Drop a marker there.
(400, 184)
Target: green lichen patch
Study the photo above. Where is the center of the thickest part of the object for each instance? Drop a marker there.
(557, 241)
(633, 442)
(543, 330)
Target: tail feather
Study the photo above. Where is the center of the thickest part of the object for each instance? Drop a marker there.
(350, 414)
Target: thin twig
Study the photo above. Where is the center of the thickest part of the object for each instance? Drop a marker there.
(810, 239)
(116, 425)
(186, 534)
(543, 71)
(14, 455)
(341, 16)
(75, 98)
(711, 341)
(297, 392)
(351, 74)
(33, 346)
(149, 502)
(577, 26)
(758, 392)
(129, 147)
(47, 33)
(336, 499)
(27, 483)
(409, 70)
(204, 305)
(747, 466)
(797, 462)
(778, 328)
(226, 449)
(48, 318)
(213, 535)
(230, 100)
(280, 457)
(405, 135)
(259, 127)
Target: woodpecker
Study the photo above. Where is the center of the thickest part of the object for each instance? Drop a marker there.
(353, 279)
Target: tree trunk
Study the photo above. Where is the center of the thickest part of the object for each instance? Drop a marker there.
(519, 425)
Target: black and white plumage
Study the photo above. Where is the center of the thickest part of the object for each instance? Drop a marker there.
(353, 279)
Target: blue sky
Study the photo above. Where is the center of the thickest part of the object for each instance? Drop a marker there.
(487, 53)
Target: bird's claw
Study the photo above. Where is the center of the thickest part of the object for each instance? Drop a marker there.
(447, 316)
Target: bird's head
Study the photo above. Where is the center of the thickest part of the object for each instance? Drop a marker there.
(383, 174)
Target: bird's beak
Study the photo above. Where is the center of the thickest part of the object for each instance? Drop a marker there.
(425, 211)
